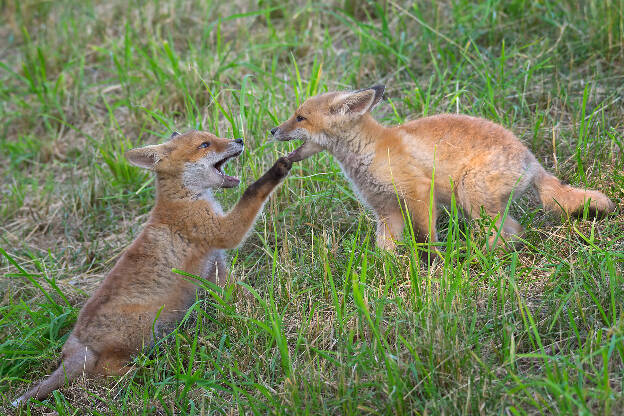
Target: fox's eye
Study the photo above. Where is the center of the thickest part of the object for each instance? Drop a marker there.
(203, 145)
(300, 118)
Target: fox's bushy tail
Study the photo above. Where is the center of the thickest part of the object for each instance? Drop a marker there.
(559, 197)
(79, 360)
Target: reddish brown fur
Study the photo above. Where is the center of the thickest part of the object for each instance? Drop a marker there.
(186, 230)
(478, 162)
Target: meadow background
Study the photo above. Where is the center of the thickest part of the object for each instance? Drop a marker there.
(338, 327)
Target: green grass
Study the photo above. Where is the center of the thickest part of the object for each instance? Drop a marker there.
(337, 326)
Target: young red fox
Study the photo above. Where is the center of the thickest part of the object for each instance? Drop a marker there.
(186, 230)
(484, 161)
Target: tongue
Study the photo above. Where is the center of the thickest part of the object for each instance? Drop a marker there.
(229, 181)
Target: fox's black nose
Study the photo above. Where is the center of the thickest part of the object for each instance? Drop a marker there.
(238, 141)
(273, 130)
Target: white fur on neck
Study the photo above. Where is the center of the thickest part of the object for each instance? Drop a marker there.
(208, 196)
(355, 154)
(200, 176)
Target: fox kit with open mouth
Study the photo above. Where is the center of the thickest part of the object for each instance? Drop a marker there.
(141, 298)
(479, 162)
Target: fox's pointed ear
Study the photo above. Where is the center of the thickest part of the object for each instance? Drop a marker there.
(379, 94)
(146, 157)
(357, 102)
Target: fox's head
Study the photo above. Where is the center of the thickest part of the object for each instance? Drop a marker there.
(322, 120)
(195, 158)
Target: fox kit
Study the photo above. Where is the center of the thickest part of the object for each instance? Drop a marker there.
(186, 230)
(479, 162)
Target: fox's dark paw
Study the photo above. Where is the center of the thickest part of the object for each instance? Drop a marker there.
(281, 168)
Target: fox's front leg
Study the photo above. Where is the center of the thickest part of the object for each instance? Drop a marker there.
(390, 227)
(235, 225)
(305, 151)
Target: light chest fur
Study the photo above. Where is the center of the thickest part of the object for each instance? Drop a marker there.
(371, 189)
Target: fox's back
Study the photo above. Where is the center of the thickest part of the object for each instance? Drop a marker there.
(461, 143)
(459, 134)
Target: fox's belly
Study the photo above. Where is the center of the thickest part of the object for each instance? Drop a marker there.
(375, 192)
(381, 189)
(215, 267)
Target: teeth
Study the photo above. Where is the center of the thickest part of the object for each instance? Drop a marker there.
(219, 165)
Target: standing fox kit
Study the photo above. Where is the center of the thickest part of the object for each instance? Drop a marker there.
(141, 297)
(479, 162)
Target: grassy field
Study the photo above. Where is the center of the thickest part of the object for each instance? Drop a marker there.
(338, 327)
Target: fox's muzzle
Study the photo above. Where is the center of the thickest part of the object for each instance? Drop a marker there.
(279, 135)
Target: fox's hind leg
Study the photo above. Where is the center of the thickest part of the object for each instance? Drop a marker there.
(113, 363)
(494, 206)
(492, 186)
(511, 230)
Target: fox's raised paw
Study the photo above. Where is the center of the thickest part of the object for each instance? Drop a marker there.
(281, 168)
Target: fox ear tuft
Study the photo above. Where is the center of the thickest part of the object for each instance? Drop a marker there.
(174, 134)
(358, 102)
(379, 94)
(146, 157)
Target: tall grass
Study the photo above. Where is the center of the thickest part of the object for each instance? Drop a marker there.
(332, 325)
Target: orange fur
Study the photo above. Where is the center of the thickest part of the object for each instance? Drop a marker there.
(141, 298)
(393, 169)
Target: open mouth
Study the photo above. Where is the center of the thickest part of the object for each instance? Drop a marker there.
(228, 181)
